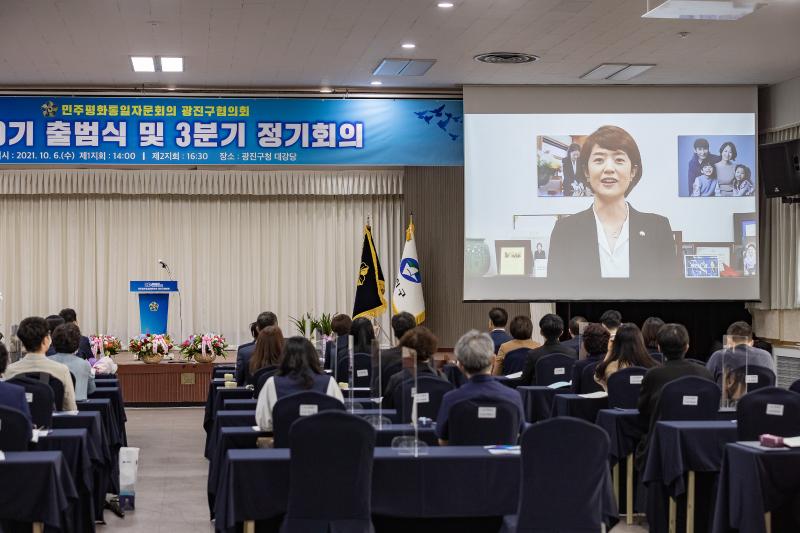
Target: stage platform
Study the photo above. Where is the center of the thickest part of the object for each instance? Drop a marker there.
(167, 383)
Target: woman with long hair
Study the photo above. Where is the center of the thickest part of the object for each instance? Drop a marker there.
(299, 371)
(627, 349)
(269, 345)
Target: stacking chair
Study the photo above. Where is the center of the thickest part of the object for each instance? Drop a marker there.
(689, 398)
(770, 410)
(388, 372)
(624, 386)
(588, 384)
(454, 375)
(559, 449)
(759, 377)
(514, 360)
(15, 430)
(330, 474)
(362, 369)
(795, 386)
(483, 421)
(54, 383)
(301, 404)
(260, 378)
(658, 357)
(41, 400)
(554, 368)
(430, 391)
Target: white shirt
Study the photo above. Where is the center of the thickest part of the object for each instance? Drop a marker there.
(268, 397)
(613, 263)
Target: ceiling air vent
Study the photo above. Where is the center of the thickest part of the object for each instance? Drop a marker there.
(403, 67)
(506, 58)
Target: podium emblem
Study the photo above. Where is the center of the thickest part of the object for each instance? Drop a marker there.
(153, 306)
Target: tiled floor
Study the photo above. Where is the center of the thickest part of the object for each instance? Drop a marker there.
(171, 489)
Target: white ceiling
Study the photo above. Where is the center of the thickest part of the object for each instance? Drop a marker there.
(308, 43)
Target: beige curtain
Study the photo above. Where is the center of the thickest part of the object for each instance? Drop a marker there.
(234, 254)
(780, 255)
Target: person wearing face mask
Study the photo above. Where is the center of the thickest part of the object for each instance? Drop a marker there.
(611, 239)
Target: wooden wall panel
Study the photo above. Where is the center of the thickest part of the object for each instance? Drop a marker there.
(161, 383)
(436, 197)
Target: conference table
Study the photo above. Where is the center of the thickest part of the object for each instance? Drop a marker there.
(537, 401)
(43, 491)
(756, 487)
(114, 394)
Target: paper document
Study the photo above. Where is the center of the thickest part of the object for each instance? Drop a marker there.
(560, 385)
(515, 375)
(598, 394)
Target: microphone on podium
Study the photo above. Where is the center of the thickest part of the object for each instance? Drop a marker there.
(162, 263)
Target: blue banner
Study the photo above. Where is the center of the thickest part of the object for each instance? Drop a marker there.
(154, 286)
(229, 131)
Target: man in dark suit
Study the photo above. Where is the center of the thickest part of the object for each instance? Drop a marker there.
(85, 345)
(12, 395)
(498, 318)
(551, 326)
(245, 351)
(401, 323)
(573, 343)
(595, 340)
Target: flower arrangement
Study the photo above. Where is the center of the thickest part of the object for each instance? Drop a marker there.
(148, 344)
(206, 345)
(104, 345)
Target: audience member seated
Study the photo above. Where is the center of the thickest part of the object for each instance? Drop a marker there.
(424, 343)
(66, 339)
(34, 335)
(611, 320)
(299, 371)
(551, 327)
(245, 351)
(595, 341)
(401, 323)
(53, 321)
(650, 335)
(627, 350)
(673, 342)
(269, 346)
(575, 324)
(738, 356)
(85, 345)
(521, 329)
(498, 318)
(363, 333)
(340, 324)
(12, 395)
(475, 355)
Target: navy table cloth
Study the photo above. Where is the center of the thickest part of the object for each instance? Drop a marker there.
(624, 428)
(754, 481)
(42, 491)
(578, 406)
(452, 481)
(238, 404)
(114, 394)
(106, 382)
(538, 401)
(114, 434)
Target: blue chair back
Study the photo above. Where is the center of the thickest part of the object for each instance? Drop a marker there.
(221, 370)
(51, 381)
(330, 474)
(260, 378)
(795, 387)
(759, 377)
(769, 410)
(588, 384)
(41, 401)
(514, 360)
(388, 372)
(432, 389)
(454, 375)
(553, 368)
(301, 404)
(689, 398)
(362, 369)
(623, 387)
(563, 448)
(658, 357)
(483, 421)
(15, 430)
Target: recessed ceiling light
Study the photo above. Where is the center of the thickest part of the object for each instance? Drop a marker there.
(171, 64)
(445, 5)
(376, 82)
(326, 90)
(409, 45)
(143, 64)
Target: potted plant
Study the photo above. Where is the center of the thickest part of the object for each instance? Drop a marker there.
(304, 324)
(150, 348)
(204, 348)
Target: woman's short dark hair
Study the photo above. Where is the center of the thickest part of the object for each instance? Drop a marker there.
(498, 316)
(734, 153)
(66, 338)
(69, 315)
(575, 325)
(269, 346)
(595, 339)
(402, 322)
(673, 340)
(611, 319)
(747, 172)
(421, 340)
(551, 326)
(32, 331)
(521, 327)
(363, 334)
(650, 332)
(53, 321)
(613, 138)
(341, 324)
(300, 361)
(627, 349)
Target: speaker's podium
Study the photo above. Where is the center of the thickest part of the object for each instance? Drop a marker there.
(154, 304)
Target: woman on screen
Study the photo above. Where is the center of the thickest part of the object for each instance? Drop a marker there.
(611, 239)
(726, 168)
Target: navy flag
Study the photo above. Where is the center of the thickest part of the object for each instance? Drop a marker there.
(370, 285)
